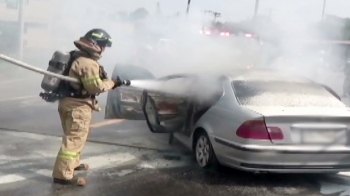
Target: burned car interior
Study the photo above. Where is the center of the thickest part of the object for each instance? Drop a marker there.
(163, 113)
(179, 103)
(167, 113)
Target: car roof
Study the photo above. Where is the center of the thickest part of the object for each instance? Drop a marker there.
(269, 76)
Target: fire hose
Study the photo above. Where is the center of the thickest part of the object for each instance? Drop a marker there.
(49, 97)
(44, 72)
(36, 69)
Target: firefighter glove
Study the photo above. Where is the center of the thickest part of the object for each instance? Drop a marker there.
(117, 82)
(103, 73)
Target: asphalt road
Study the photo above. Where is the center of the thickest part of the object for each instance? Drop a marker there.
(126, 159)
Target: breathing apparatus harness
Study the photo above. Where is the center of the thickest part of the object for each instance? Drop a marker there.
(64, 89)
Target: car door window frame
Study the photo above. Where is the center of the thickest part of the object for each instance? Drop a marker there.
(145, 98)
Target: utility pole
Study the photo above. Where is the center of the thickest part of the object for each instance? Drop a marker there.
(256, 8)
(188, 7)
(21, 28)
(324, 8)
(158, 9)
(216, 15)
(207, 12)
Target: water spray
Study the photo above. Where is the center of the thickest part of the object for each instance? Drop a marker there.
(179, 86)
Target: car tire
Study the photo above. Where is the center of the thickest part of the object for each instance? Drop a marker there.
(204, 152)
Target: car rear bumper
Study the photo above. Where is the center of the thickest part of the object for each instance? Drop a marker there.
(288, 159)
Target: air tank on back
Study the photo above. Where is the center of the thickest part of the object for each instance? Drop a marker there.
(58, 64)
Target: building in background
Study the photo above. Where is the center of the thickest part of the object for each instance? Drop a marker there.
(37, 16)
(53, 25)
(50, 25)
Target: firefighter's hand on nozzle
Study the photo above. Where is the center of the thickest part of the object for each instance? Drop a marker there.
(103, 73)
(118, 82)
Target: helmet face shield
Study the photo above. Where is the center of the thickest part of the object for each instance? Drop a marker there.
(109, 43)
(99, 37)
(104, 42)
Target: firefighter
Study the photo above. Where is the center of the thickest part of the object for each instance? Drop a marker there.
(76, 111)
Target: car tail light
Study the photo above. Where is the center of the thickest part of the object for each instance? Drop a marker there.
(257, 129)
(225, 34)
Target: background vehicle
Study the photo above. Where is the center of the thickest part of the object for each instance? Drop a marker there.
(155, 53)
(258, 121)
(326, 54)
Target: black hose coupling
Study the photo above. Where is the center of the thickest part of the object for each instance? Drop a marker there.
(126, 82)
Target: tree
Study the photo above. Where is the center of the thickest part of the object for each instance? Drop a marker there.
(123, 16)
(261, 26)
(332, 28)
(158, 9)
(347, 29)
(139, 14)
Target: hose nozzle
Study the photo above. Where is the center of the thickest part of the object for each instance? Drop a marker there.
(126, 82)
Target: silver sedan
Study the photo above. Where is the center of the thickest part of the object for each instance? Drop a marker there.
(256, 121)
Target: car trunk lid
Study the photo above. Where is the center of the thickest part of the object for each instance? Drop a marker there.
(307, 125)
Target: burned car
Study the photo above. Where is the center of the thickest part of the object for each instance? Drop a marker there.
(255, 121)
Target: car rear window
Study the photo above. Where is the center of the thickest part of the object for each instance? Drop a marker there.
(285, 94)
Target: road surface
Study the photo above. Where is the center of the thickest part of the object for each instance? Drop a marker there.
(126, 159)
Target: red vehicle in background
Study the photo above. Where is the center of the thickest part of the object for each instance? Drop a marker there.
(214, 31)
(247, 42)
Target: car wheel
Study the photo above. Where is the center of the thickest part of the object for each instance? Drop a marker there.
(204, 152)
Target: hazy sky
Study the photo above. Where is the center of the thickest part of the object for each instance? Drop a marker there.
(242, 9)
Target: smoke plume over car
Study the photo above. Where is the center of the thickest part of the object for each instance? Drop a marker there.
(136, 24)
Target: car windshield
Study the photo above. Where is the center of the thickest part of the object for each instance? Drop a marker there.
(284, 94)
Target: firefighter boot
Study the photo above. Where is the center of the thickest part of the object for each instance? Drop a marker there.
(75, 181)
(82, 166)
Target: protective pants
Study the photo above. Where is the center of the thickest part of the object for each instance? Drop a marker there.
(75, 118)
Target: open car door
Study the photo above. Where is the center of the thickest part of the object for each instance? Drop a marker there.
(125, 102)
(171, 110)
(164, 113)
(168, 111)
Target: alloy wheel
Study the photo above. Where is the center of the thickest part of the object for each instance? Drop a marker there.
(203, 151)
